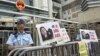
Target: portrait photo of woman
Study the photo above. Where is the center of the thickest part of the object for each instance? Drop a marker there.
(85, 35)
(46, 34)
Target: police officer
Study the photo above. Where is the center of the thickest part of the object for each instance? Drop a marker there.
(20, 38)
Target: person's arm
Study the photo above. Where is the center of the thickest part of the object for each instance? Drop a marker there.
(30, 40)
(10, 43)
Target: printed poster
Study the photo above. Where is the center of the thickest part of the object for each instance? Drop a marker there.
(88, 35)
(48, 32)
(64, 36)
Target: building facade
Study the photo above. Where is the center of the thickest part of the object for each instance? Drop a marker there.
(70, 9)
(9, 15)
(57, 9)
(86, 12)
(34, 7)
(82, 11)
(91, 14)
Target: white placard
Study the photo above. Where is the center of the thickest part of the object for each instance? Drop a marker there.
(88, 35)
(48, 32)
(64, 36)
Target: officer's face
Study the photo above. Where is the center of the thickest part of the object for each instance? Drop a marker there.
(20, 27)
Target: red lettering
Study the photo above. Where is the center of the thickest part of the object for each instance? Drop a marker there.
(56, 30)
(57, 35)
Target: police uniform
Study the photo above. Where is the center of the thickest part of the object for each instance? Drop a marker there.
(22, 39)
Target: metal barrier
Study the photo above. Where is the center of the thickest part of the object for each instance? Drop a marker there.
(95, 48)
(67, 49)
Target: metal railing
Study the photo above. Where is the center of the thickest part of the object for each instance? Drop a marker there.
(67, 49)
(95, 48)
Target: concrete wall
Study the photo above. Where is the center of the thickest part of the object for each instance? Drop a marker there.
(66, 2)
(42, 4)
(90, 16)
(69, 13)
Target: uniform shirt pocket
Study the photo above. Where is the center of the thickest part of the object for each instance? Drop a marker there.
(25, 41)
(16, 42)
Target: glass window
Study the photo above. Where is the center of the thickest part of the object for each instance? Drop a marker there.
(64, 12)
(58, 1)
(78, 7)
(73, 9)
(65, 18)
(27, 2)
(69, 17)
(74, 15)
(68, 12)
(1, 34)
(65, 0)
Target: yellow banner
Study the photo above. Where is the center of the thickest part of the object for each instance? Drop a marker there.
(82, 49)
